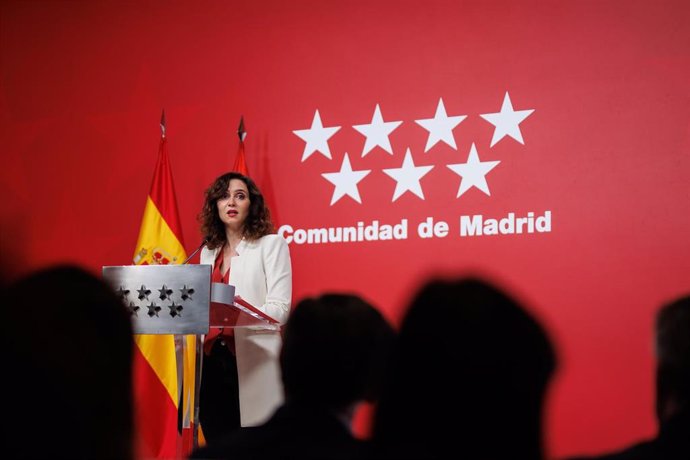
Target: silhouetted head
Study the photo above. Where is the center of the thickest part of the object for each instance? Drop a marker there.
(334, 347)
(67, 339)
(673, 358)
(468, 376)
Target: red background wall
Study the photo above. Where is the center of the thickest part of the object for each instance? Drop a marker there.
(606, 150)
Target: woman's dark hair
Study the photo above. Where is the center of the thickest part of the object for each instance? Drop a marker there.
(258, 221)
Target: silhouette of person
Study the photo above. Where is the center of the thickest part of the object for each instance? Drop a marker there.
(672, 336)
(332, 356)
(467, 379)
(67, 340)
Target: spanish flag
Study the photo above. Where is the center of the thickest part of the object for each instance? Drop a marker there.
(157, 393)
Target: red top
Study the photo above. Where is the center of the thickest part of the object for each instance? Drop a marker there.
(217, 276)
(219, 333)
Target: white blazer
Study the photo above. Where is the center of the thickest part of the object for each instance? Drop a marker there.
(262, 275)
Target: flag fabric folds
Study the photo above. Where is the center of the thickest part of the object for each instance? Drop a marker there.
(155, 367)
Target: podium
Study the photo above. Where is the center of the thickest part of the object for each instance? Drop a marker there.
(181, 300)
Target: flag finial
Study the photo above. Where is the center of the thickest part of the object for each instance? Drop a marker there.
(163, 123)
(240, 130)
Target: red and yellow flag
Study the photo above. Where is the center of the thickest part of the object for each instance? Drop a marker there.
(155, 368)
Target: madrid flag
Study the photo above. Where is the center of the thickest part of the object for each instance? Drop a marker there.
(155, 367)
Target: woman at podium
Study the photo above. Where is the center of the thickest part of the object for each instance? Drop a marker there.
(241, 383)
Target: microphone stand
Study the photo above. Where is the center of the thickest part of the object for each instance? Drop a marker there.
(195, 251)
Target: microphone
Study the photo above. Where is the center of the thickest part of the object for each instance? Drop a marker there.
(205, 240)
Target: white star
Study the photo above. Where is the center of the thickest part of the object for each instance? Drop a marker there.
(408, 177)
(473, 172)
(316, 137)
(377, 132)
(345, 181)
(440, 127)
(507, 121)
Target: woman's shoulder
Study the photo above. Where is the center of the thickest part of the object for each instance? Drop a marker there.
(271, 240)
(207, 255)
(271, 237)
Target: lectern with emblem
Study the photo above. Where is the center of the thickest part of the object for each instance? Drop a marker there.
(181, 300)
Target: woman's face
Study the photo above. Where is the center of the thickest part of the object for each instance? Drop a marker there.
(233, 208)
